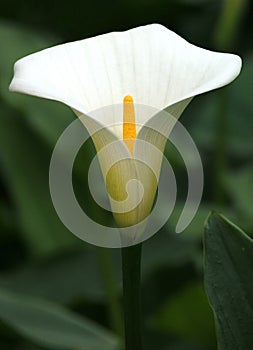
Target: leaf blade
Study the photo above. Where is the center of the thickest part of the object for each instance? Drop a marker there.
(50, 325)
(228, 276)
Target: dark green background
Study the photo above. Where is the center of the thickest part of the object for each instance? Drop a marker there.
(38, 256)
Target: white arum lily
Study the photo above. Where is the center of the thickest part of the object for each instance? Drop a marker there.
(148, 66)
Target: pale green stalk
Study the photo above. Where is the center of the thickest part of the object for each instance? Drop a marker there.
(112, 291)
(224, 37)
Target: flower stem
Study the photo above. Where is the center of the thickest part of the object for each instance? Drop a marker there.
(229, 22)
(224, 37)
(131, 270)
(110, 283)
(220, 165)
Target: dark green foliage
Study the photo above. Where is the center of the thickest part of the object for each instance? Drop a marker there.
(228, 278)
(49, 276)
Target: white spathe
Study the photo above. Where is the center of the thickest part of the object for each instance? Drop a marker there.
(158, 68)
(151, 63)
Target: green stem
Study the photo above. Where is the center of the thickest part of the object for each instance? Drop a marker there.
(131, 270)
(228, 24)
(220, 164)
(111, 288)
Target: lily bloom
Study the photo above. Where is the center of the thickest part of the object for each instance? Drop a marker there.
(143, 71)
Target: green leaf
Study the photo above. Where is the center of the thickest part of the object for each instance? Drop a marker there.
(229, 282)
(188, 315)
(58, 278)
(52, 326)
(25, 164)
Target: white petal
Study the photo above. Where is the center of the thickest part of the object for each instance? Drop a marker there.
(151, 63)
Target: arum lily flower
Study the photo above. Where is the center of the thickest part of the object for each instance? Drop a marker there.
(146, 66)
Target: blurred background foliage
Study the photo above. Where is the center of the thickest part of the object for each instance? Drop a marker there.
(57, 292)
